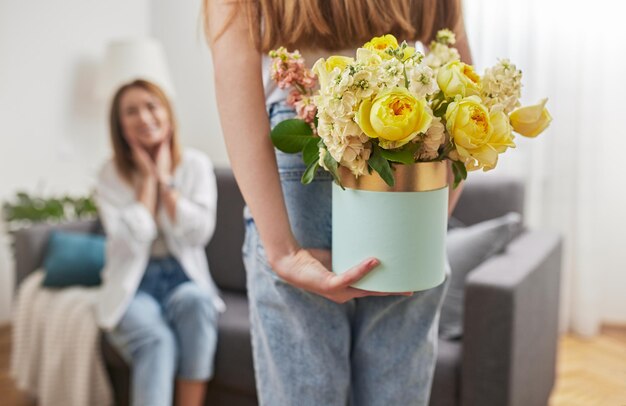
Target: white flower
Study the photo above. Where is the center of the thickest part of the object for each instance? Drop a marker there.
(391, 73)
(365, 83)
(422, 81)
(440, 55)
(368, 57)
(342, 105)
(502, 86)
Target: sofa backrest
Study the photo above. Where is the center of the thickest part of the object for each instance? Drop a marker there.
(483, 198)
(489, 196)
(224, 250)
(29, 243)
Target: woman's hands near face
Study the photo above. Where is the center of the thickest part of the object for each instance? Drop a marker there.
(157, 166)
(142, 160)
(163, 162)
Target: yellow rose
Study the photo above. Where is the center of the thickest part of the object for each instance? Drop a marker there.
(530, 121)
(457, 78)
(502, 137)
(478, 135)
(395, 117)
(380, 44)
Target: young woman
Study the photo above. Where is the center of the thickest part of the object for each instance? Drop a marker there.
(316, 340)
(157, 203)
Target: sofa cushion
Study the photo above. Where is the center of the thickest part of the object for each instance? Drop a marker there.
(446, 382)
(233, 359)
(73, 259)
(467, 248)
(224, 250)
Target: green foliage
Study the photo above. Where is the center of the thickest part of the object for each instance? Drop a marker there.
(332, 167)
(440, 105)
(460, 172)
(404, 155)
(378, 163)
(27, 208)
(291, 136)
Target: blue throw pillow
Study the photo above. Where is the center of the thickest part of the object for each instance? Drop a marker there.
(73, 259)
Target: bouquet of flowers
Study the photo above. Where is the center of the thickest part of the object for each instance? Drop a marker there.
(387, 121)
(394, 105)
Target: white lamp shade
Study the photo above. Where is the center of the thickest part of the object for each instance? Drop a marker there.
(128, 60)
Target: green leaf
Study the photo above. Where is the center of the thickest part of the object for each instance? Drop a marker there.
(460, 172)
(406, 78)
(441, 109)
(311, 152)
(405, 155)
(332, 166)
(378, 163)
(309, 174)
(291, 135)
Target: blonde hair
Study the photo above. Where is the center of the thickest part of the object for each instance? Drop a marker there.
(122, 154)
(338, 24)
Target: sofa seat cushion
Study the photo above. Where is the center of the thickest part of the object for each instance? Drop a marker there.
(446, 383)
(233, 362)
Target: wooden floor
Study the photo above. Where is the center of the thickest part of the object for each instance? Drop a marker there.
(9, 395)
(591, 372)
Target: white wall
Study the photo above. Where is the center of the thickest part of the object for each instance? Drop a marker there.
(54, 133)
(178, 27)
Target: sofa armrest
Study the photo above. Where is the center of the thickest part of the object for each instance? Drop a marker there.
(511, 324)
(30, 243)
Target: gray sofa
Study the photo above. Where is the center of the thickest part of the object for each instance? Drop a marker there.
(508, 351)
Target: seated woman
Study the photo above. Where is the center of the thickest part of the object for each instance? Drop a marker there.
(158, 303)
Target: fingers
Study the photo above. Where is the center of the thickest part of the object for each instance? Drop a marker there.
(353, 274)
(362, 293)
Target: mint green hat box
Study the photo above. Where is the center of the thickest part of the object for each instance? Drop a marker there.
(403, 228)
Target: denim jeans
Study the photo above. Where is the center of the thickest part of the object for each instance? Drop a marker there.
(309, 350)
(169, 330)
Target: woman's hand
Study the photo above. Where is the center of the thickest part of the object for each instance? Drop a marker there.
(143, 162)
(163, 162)
(146, 187)
(302, 270)
(324, 256)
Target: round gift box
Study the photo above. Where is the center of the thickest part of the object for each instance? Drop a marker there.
(404, 227)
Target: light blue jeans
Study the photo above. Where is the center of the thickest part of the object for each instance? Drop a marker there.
(169, 330)
(311, 351)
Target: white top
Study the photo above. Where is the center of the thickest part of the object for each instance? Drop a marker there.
(131, 230)
(273, 94)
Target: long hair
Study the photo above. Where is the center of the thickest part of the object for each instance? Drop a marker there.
(122, 154)
(338, 24)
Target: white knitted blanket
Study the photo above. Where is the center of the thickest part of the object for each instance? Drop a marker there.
(56, 346)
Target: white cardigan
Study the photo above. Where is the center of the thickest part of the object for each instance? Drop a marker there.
(131, 229)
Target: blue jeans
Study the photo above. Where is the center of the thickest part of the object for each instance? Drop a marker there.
(311, 351)
(169, 330)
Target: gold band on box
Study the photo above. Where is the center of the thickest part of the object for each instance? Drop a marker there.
(418, 177)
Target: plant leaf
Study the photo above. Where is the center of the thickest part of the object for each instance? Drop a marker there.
(291, 135)
(378, 163)
(460, 172)
(332, 166)
(309, 174)
(311, 152)
(404, 155)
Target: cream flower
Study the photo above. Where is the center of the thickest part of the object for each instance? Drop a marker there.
(432, 140)
(440, 55)
(502, 86)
